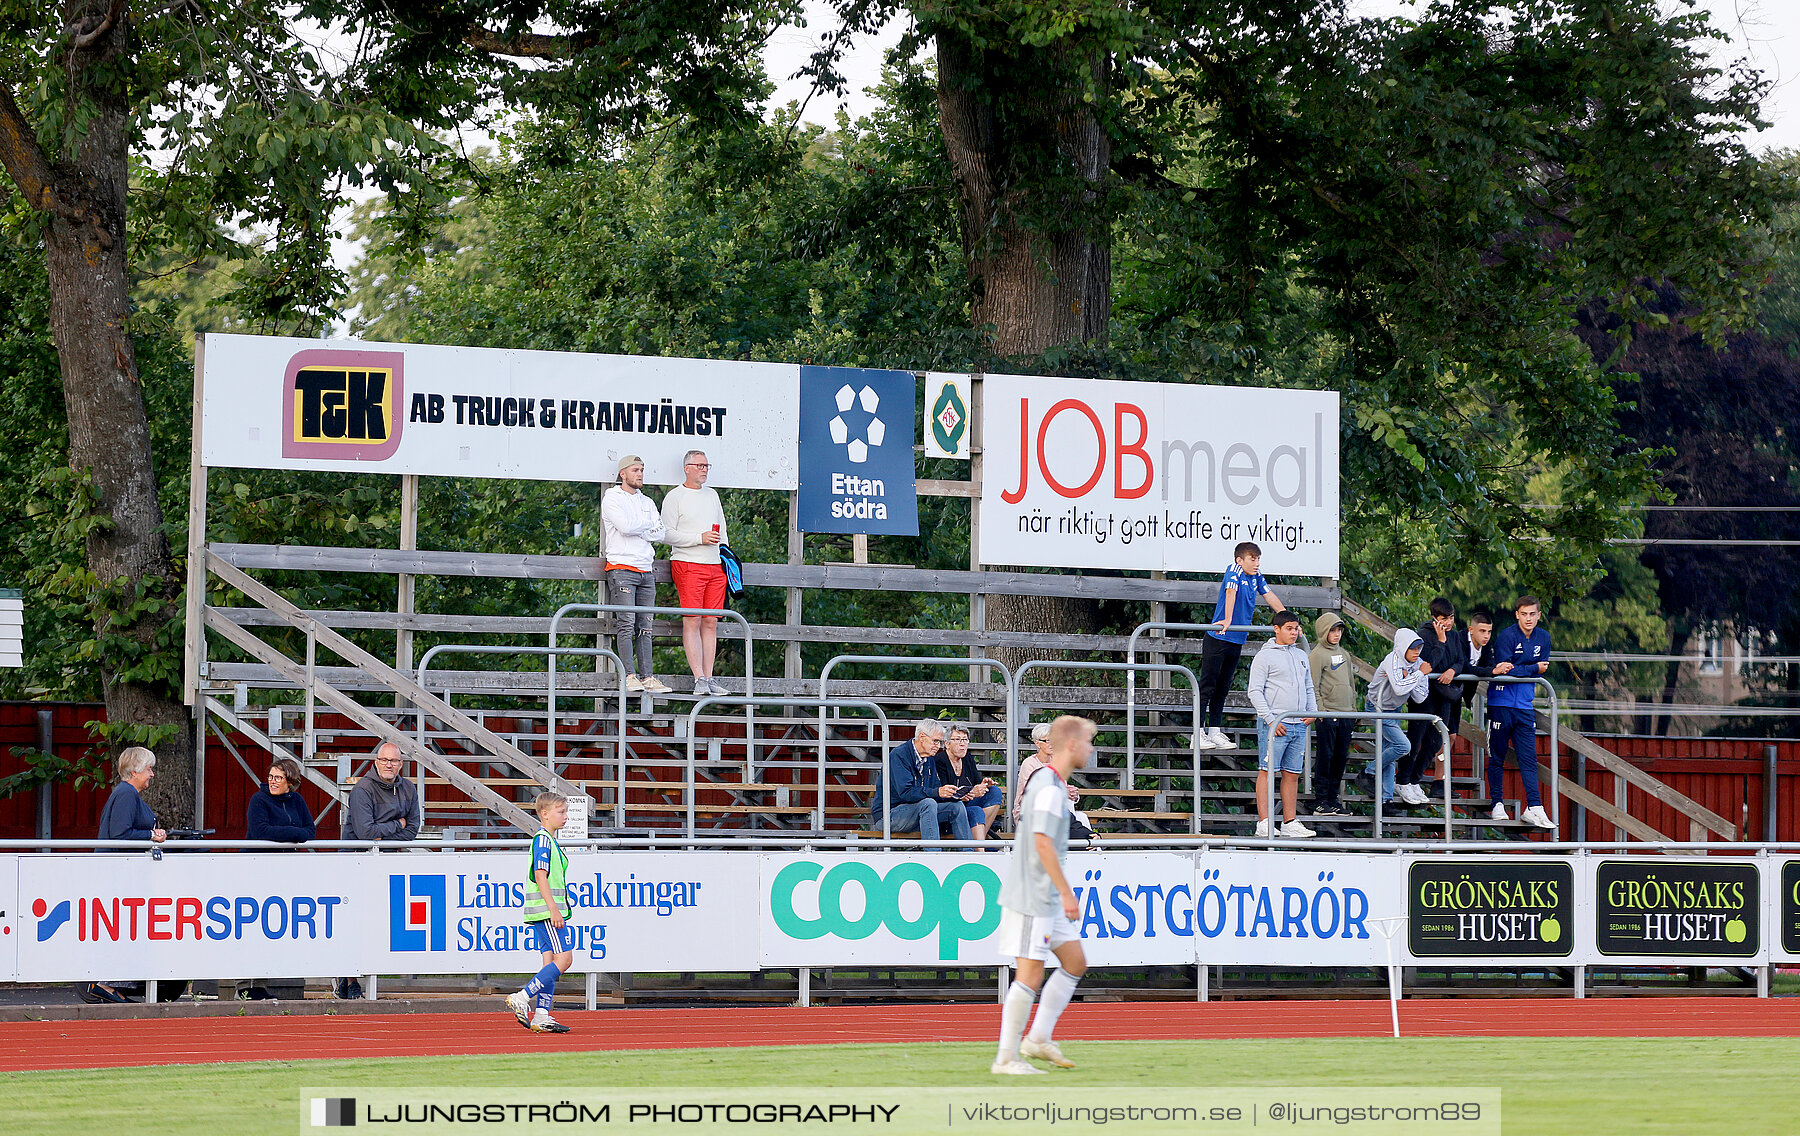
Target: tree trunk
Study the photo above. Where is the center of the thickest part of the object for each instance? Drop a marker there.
(1031, 163)
(84, 197)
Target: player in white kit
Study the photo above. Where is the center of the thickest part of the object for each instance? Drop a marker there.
(1037, 906)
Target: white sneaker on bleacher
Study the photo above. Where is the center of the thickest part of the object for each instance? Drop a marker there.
(1203, 740)
(1294, 830)
(1536, 815)
(654, 685)
(634, 684)
(1498, 812)
(1219, 740)
(1262, 827)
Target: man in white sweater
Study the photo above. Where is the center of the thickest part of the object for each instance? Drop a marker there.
(694, 522)
(632, 522)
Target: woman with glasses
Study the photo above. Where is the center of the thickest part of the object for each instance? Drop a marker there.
(277, 812)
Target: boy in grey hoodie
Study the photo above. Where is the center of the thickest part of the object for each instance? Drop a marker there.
(1399, 680)
(1281, 689)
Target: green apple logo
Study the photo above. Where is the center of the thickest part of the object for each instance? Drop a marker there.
(1735, 930)
(1550, 930)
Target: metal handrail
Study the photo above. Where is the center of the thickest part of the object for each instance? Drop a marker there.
(1555, 747)
(1370, 716)
(1129, 668)
(750, 744)
(723, 612)
(1131, 657)
(1012, 768)
(550, 717)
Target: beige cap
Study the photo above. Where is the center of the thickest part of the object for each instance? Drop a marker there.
(628, 461)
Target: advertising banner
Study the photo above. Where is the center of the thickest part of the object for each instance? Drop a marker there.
(947, 417)
(278, 403)
(1255, 908)
(880, 909)
(856, 451)
(1671, 908)
(1511, 907)
(1086, 473)
(1786, 938)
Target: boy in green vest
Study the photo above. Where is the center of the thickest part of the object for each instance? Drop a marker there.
(547, 911)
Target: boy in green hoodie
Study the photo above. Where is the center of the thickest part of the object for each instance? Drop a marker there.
(1334, 680)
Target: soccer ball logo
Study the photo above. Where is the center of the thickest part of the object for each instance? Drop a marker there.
(840, 430)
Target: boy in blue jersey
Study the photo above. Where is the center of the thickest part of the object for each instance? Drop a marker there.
(1521, 651)
(1221, 650)
(547, 911)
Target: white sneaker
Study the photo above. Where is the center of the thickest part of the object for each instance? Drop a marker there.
(1294, 830)
(1536, 815)
(634, 684)
(520, 1005)
(1203, 740)
(1014, 1068)
(1219, 740)
(1045, 1051)
(1413, 795)
(1262, 827)
(654, 685)
(1498, 812)
(542, 1022)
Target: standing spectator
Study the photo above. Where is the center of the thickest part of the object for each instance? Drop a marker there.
(1521, 651)
(631, 522)
(1079, 828)
(382, 805)
(126, 817)
(1334, 682)
(1281, 689)
(276, 811)
(1447, 651)
(694, 523)
(1480, 638)
(920, 801)
(1401, 679)
(979, 795)
(1221, 650)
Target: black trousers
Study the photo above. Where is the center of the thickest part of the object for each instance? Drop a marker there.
(1332, 739)
(1446, 703)
(1218, 666)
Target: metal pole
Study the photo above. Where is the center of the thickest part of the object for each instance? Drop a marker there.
(46, 743)
(1771, 798)
(409, 541)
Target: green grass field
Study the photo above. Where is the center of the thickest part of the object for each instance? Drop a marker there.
(1579, 1086)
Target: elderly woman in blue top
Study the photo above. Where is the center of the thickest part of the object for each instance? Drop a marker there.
(277, 812)
(127, 817)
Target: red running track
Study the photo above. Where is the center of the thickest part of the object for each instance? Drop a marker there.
(107, 1044)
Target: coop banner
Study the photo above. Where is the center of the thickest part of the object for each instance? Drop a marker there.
(856, 451)
(1082, 473)
(277, 403)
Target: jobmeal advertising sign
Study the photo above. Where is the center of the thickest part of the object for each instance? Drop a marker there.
(1083, 473)
(276, 403)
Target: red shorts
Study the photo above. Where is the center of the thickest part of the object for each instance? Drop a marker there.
(698, 585)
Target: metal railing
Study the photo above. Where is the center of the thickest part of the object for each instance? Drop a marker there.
(1377, 716)
(1012, 765)
(550, 717)
(719, 613)
(1130, 771)
(750, 745)
(1555, 762)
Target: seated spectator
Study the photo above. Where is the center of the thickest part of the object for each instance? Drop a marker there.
(920, 802)
(127, 817)
(276, 811)
(1079, 828)
(979, 795)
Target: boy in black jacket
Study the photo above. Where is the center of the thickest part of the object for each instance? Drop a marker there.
(1447, 650)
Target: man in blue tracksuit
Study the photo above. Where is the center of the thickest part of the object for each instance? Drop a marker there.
(920, 801)
(1521, 651)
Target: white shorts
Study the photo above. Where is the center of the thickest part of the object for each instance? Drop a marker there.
(1034, 936)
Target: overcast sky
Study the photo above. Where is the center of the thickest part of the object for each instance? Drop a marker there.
(1766, 32)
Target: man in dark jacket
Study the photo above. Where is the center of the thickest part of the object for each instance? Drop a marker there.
(382, 805)
(919, 800)
(1445, 648)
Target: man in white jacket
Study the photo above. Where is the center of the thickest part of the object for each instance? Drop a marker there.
(632, 521)
(1281, 689)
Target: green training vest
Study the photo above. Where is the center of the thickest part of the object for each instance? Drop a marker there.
(535, 911)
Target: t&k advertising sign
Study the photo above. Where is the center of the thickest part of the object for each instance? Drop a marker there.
(1084, 473)
(270, 402)
(856, 451)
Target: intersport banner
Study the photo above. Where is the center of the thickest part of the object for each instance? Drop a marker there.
(1086, 473)
(348, 406)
